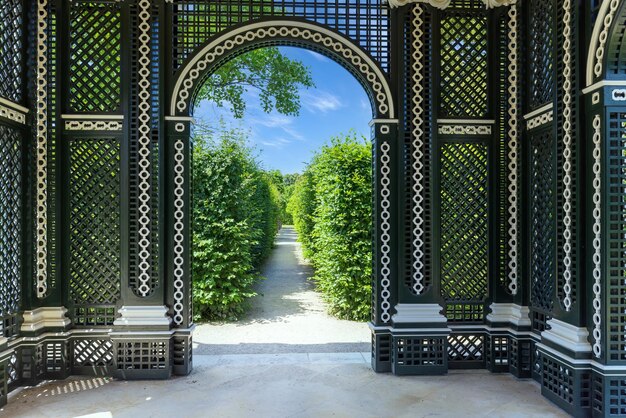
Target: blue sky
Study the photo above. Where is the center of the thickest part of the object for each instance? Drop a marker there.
(335, 105)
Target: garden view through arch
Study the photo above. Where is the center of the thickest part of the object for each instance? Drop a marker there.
(498, 133)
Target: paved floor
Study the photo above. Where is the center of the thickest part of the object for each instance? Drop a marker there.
(288, 359)
(287, 316)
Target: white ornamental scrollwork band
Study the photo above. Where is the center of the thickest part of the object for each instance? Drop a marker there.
(12, 114)
(385, 236)
(599, 39)
(179, 237)
(79, 125)
(540, 120)
(513, 153)
(144, 148)
(567, 155)
(597, 236)
(418, 147)
(442, 4)
(464, 129)
(283, 29)
(42, 149)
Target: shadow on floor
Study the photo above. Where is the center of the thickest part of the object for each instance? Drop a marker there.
(277, 348)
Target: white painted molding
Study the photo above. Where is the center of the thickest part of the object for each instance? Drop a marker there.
(567, 336)
(3, 340)
(418, 314)
(180, 119)
(143, 316)
(509, 313)
(467, 121)
(542, 109)
(44, 318)
(389, 121)
(604, 83)
(14, 106)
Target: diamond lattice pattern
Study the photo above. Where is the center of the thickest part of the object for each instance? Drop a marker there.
(10, 221)
(464, 222)
(11, 54)
(541, 53)
(464, 65)
(94, 221)
(542, 220)
(95, 57)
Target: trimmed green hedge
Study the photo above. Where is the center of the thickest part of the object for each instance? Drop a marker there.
(332, 210)
(236, 206)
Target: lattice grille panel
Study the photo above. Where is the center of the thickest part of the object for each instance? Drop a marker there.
(616, 54)
(542, 213)
(142, 355)
(95, 29)
(616, 237)
(541, 37)
(94, 225)
(464, 61)
(92, 353)
(364, 21)
(416, 351)
(13, 370)
(466, 348)
(558, 379)
(11, 215)
(11, 50)
(464, 222)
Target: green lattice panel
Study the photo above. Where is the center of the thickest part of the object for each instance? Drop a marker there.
(542, 221)
(541, 52)
(464, 63)
(616, 239)
(94, 230)
(10, 228)
(11, 50)
(464, 224)
(95, 57)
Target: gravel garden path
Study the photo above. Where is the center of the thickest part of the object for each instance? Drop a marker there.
(287, 316)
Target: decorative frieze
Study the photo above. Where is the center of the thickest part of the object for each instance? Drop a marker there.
(540, 120)
(465, 129)
(86, 125)
(442, 4)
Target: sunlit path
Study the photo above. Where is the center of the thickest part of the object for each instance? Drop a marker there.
(287, 316)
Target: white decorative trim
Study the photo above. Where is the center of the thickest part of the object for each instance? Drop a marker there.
(42, 150)
(44, 318)
(597, 236)
(385, 236)
(540, 120)
(467, 121)
(179, 229)
(418, 153)
(143, 316)
(604, 83)
(14, 106)
(539, 111)
(567, 156)
(509, 313)
(497, 3)
(282, 29)
(599, 38)
(180, 119)
(12, 114)
(144, 128)
(513, 153)
(419, 313)
(79, 125)
(439, 4)
(179, 127)
(595, 98)
(567, 336)
(618, 95)
(464, 129)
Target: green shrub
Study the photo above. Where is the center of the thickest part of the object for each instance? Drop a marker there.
(235, 217)
(332, 206)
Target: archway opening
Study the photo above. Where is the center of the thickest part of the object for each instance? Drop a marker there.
(282, 229)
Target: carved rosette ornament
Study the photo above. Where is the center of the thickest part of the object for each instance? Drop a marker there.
(442, 4)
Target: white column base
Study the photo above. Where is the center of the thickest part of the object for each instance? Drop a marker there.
(44, 318)
(567, 336)
(509, 313)
(419, 314)
(136, 316)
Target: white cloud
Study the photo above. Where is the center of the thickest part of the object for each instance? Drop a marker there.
(317, 56)
(320, 101)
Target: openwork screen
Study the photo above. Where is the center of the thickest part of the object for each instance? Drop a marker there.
(616, 240)
(542, 227)
(94, 222)
(11, 50)
(541, 35)
(11, 212)
(95, 30)
(464, 61)
(464, 230)
(364, 21)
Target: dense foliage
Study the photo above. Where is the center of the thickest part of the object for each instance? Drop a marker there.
(236, 206)
(331, 206)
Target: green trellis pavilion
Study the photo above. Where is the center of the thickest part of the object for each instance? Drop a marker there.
(499, 132)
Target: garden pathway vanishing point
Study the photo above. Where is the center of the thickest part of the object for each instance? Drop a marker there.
(287, 316)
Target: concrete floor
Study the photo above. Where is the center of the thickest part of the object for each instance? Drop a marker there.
(287, 359)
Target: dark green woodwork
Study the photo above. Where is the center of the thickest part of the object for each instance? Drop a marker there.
(458, 105)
